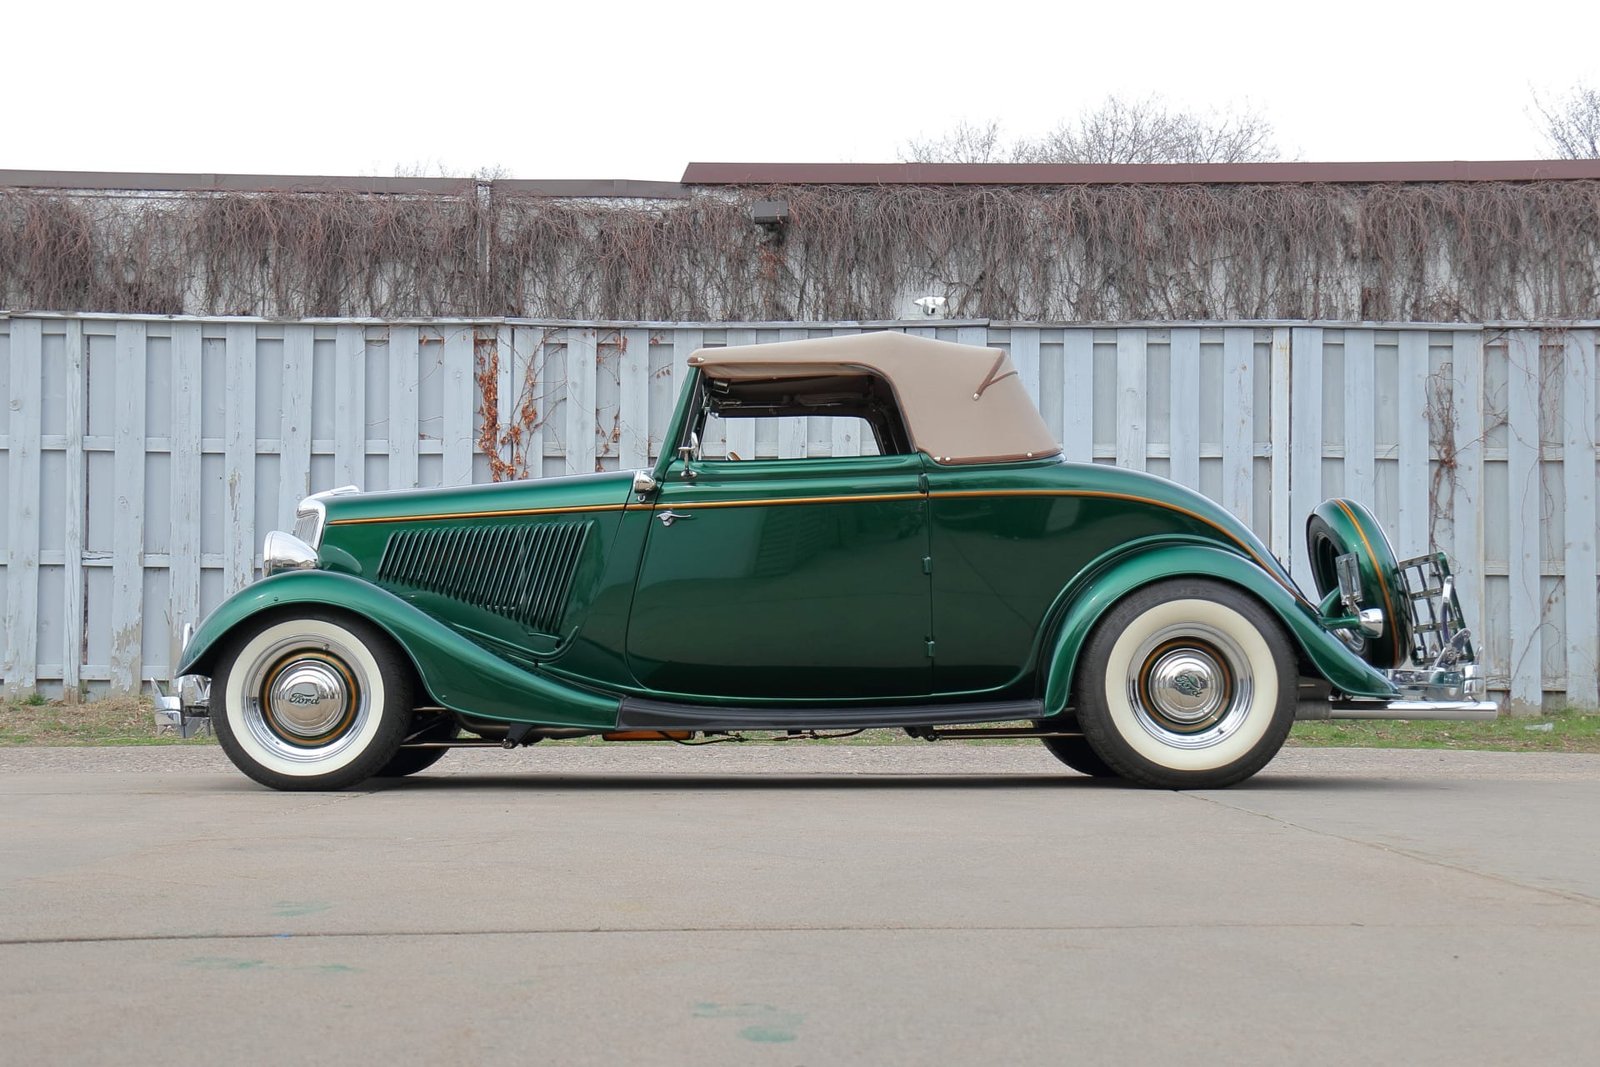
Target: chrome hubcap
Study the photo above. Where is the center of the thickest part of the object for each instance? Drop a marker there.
(305, 702)
(1187, 685)
(1190, 686)
(308, 698)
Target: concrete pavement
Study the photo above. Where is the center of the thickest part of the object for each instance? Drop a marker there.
(799, 904)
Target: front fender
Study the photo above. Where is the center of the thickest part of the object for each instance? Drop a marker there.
(1348, 673)
(460, 674)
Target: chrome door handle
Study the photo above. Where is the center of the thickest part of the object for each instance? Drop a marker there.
(669, 516)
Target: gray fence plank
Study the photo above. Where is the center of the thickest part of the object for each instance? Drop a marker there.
(1025, 357)
(19, 631)
(405, 353)
(127, 575)
(1077, 395)
(1238, 421)
(460, 402)
(633, 383)
(970, 335)
(1360, 433)
(1466, 560)
(583, 348)
(183, 541)
(1282, 546)
(1578, 478)
(1524, 507)
(1305, 450)
(504, 342)
(1185, 383)
(239, 456)
(349, 406)
(528, 406)
(1132, 418)
(294, 434)
(1412, 405)
(76, 495)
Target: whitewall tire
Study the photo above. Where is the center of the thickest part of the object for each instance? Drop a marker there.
(317, 701)
(1187, 684)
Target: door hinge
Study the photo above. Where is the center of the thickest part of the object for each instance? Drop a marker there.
(930, 649)
(927, 564)
(922, 482)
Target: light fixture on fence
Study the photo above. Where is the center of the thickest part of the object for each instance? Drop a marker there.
(770, 214)
(932, 306)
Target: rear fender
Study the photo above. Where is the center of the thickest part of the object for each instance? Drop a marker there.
(460, 674)
(1328, 656)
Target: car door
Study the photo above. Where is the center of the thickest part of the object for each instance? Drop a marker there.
(793, 579)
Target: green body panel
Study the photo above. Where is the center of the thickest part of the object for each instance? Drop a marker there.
(1139, 565)
(356, 539)
(797, 579)
(1009, 539)
(460, 674)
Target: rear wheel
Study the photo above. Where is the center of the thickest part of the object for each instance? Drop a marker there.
(318, 701)
(1187, 684)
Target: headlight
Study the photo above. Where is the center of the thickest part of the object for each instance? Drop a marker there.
(285, 552)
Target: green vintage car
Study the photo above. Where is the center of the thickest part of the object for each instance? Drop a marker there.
(958, 580)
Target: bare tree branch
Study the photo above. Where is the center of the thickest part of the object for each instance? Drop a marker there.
(1119, 130)
(440, 169)
(966, 143)
(1572, 124)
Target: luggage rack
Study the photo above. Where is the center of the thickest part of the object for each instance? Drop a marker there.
(1439, 633)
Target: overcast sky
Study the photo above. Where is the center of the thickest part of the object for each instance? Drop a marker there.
(624, 90)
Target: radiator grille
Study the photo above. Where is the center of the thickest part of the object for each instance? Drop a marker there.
(522, 572)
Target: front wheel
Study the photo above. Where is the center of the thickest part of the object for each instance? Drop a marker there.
(318, 701)
(1187, 684)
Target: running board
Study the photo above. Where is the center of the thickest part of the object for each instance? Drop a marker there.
(636, 714)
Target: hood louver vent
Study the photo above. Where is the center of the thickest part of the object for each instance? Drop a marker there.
(522, 572)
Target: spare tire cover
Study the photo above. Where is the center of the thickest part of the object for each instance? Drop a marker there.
(1339, 526)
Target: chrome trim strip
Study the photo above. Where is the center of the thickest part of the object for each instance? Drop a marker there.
(1473, 710)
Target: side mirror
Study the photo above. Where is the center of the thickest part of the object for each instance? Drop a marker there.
(689, 453)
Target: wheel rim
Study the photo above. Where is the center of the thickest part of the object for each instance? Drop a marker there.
(1190, 686)
(305, 704)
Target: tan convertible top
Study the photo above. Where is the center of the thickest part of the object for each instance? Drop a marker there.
(962, 404)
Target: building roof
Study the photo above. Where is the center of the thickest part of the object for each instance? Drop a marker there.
(961, 403)
(1526, 170)
(763, 174)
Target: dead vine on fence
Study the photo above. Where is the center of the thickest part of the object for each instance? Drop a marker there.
(1425, 252)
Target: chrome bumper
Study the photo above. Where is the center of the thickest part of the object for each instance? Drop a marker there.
(1449, 693)
(1418, 709)
(185, 705)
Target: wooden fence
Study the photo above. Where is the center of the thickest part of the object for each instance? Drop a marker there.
(142, 459)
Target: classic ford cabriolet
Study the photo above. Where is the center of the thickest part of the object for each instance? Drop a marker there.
(958, 580)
